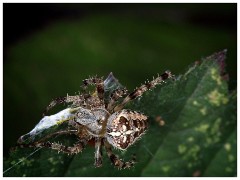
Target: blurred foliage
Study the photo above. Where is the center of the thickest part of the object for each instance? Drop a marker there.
(198, 138)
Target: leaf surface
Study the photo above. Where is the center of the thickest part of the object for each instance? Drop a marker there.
(192, 132)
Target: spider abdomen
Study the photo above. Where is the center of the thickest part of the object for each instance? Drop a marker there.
(125, 127)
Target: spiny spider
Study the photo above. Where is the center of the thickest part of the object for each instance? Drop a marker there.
(100, 116)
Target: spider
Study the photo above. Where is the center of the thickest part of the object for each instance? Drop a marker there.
(100, 116)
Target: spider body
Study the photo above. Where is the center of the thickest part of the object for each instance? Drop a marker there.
(100, 116)
(125, 127)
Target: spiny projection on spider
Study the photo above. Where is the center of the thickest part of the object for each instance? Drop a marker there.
(98, 116)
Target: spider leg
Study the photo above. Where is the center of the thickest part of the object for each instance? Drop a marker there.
(98, 152)
(143, 88)
(67, 99)
(76, 148)
(115, 160)
(58, 100)
(99, 86)
(114, 97)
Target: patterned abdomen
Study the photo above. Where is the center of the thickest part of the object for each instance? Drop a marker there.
(125, 127)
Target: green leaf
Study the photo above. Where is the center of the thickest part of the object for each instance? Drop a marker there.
(195, 137)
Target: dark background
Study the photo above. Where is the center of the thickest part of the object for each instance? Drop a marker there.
(50, 48)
